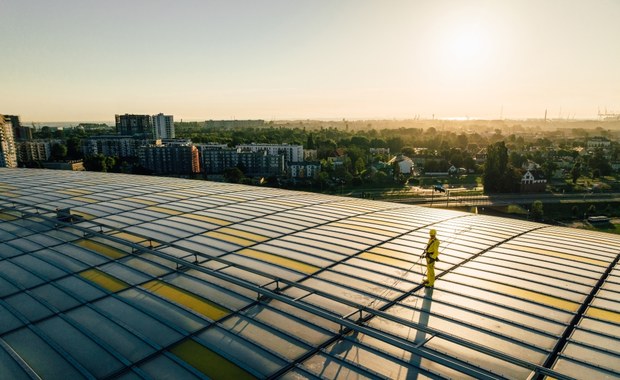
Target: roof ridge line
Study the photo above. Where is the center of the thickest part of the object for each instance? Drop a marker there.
(561, 343)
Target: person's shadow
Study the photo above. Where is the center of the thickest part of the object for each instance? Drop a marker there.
(421, 337)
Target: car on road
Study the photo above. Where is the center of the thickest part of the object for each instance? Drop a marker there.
(439, 188)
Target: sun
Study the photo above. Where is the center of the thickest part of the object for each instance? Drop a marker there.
(465, 43)
(464, 50)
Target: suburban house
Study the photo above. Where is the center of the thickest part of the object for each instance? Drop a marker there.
(533, 181)
(405, 163)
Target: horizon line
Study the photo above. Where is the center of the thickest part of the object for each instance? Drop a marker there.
(344, 119)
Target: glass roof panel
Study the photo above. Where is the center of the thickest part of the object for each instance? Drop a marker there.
(311, 247)
(266, 337)
(272, 270)
(209, 362)
(603, 314)
(80, 288)
(9, 368)
(208, 219)
(518, 292)
(304, 329)
(24, 244)
(104, 280)
(18, 275)
(165, 311)
(207, 245)
(38, 267)
(72, 256)
(241, 352)
(55, 297)
(333, 242)
(124, 273)
(290, 252)
(101, 248)
(118, 338)
(89, 354)
(8, 215)
(43, 359)
(164, 367)
(490, 295)
(192, 301)
(329, 367)
(9, 251)
(579, 370)
(279, 260)
(138, 321)
(154, 233)
(9, 320)
(361, 351)
(145, 265)
(179, 229)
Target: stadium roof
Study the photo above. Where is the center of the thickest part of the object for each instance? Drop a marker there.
(115, 276)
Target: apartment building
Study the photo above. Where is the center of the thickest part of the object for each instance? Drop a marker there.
(170, 158)
(292, 153)
(117, 146)
(135, 125)
(163, 126)
(35, 150)
(8, 154)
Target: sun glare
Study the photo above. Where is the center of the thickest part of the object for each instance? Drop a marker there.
(465, 44)
(465, 50)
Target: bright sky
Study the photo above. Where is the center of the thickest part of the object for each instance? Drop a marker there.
(86, 60)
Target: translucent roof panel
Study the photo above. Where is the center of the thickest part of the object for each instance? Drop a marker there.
(127, 277)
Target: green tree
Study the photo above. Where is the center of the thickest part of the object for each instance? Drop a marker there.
(110, 163)
(517, 160)
(96, 163)
(45, 133)
(600, 163)
(360, 165)
(462, 141)
(575, 172)
(537, 210)
(360, 141)
(499, 176)
(322, 179)
(408, 151)
(381, 177)
(233, 175)
(310, 144)
(59, 151)
(378, 143)
(396, 174)
(548, 167)
(73, 148)
(395, 144)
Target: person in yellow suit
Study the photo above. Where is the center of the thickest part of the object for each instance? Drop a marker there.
(432, 254)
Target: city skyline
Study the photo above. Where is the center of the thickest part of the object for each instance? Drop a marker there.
(198, 60)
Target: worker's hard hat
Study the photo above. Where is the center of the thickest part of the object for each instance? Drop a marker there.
(432, 232)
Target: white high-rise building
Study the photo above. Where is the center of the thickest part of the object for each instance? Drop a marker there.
(163, 126)
(8, 153)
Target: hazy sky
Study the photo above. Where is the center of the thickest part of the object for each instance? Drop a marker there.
(72, 60)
